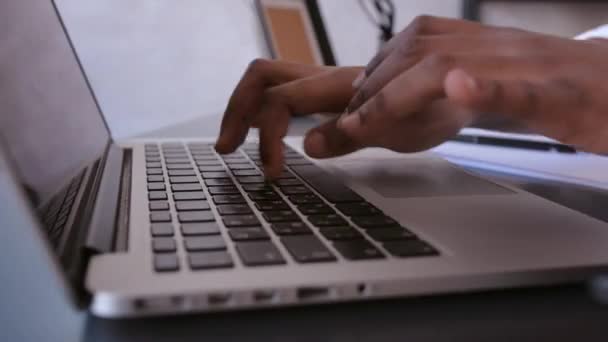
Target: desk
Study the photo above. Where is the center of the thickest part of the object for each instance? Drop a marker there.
(565, 313)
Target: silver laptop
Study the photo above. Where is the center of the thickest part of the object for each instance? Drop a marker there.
(135, 228)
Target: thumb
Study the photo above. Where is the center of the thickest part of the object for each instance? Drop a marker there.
(326, 141)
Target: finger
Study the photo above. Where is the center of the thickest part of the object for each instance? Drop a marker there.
(422, 25)
(532, 102)
(410, 53)
(326, 92)
(327, 141)
(246, 100)
(418, 87)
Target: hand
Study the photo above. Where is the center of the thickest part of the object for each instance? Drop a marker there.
(440, 75)
(270, 92)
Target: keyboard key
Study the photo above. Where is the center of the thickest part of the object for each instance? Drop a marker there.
(208, 163)
(211, 168)
(228, 199)
(248, 234)
(206, 228)
(182, 166)
(239, 173)
(209, 260)
(163, 245)
(196, 216)
(297, 161)
(305, 199)
(315, 209)
(157, 195)
(264, 196)
(237, 221)
(288, 182)
(271, 205)
(183, 179)
(162, 229)
(409, 248)
(158, 205)
(186, 187)
(151, 159)
(259, 187)
(290, 228)
(207, 158)
(233, 209)
(259, 253)
(327, 220)
(153, 165)
(281, 216)
(295, 190)
(326, 184)
(358, 209)
(251, 179)
(235, 160)
(307, 248)
(189, 196)
(286, 175)
(204, 243)
(223, 190)
(390, 234)
(150, 172)
(368, 222)
(244, 166)
(173, 160)
(358, 250)
(221, 174)
(191, 205)
(156, 178)
(175, 154)
(156, 186)
(181, 173)
(340, 233)
(161, 216)
(218, 182)
(166, 262)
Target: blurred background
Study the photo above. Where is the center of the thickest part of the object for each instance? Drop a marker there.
(154, 63)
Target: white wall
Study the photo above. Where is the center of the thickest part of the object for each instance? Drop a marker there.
(154, 63)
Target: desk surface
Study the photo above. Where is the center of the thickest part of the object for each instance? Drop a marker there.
(564, 313)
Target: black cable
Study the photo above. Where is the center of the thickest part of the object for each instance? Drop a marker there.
(384, 19)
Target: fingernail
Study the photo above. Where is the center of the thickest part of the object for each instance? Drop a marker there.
(359, 80)
(315, 142)
(349, 122)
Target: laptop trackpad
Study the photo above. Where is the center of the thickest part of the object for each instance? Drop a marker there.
(417, 177)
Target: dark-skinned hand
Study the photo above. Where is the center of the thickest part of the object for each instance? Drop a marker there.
(434, 78)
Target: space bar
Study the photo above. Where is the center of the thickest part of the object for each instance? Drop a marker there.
(326, 184)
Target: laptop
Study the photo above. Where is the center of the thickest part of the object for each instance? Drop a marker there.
(154, 227)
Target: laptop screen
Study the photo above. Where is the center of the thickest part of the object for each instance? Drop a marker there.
(49, 119)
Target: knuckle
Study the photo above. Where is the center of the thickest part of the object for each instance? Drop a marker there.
(414, 47)
(439, 62)
(422, 24)
(258, 66)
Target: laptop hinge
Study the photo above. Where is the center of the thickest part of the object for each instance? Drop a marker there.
(100, 237)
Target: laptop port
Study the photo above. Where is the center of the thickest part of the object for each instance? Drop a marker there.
(312, 293)
(264, 296)
(219, 298)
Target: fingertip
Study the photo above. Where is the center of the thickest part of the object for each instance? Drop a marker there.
(349, 123)
(223, 146)
(315, 144)
(461, 87)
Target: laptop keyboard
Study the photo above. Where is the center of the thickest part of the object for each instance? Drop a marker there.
(222, 200)
(55, 215)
